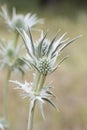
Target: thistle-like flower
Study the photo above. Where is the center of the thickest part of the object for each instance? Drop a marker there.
(11, 56)
(19, 20)
(43, 54)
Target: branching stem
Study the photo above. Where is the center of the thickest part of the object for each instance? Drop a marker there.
(41, 82)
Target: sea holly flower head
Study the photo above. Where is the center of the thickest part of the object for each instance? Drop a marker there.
(20, 20)
(11, 56)
(43, 54)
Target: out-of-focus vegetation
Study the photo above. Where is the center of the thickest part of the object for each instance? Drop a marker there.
(38, 4)
(69, 81)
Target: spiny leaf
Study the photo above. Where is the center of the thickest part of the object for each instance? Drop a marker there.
(59, 63)
(26, 41)
(58, 42)
(31, 64)
(69, 42)
(40, 44)
(32, 43)
(21, 32)
(27, 62)
(51, 93)
(50, 102)
(51, 45)
(41, 109)
(62, 60)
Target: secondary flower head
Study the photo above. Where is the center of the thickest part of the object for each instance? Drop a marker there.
(44, 95)
(43, 54)
(20, 20)
(11, 56)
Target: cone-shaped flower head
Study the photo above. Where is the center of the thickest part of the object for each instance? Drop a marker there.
(44, 66)
(19, 20)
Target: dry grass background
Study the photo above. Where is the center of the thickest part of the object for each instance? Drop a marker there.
(69, 81)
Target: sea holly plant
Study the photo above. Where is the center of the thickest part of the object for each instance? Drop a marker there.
(42, 57)
(11, 53)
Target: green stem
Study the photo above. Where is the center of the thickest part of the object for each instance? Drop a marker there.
(5, 100)
(16, 39)
(41, 82)
(31, 117)
(36, 80)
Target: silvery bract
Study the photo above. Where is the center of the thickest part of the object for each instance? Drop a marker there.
(20, 20)
(28, 91)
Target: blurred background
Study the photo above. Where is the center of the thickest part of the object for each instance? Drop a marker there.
(69, 81)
